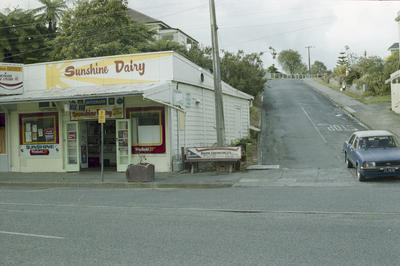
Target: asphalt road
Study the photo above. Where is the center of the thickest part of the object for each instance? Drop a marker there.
(355, 225)
(301, 129)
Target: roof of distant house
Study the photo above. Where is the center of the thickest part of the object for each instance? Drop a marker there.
(136, 15)
(395, 46)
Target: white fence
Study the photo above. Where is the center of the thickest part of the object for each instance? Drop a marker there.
(291, 76)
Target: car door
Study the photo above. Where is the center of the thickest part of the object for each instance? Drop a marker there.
(347, 144)
(352, 150)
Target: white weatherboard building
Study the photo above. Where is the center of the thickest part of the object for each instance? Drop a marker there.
(155, 103)
(395, 81)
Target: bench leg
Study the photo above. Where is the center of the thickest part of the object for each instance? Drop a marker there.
(192, 168)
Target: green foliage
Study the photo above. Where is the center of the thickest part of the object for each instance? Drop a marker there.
(368, 65)
(353, 75)
(290, 60)
(391, 64)
(51, 12)
(342, 59)
(99, 28)
(244, 71)
(22, 37)
(318, 68)
(272, 69)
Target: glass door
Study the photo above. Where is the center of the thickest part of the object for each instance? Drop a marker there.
(123, 143)
(71, 143)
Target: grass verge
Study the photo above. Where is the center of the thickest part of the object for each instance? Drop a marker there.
(361, 98)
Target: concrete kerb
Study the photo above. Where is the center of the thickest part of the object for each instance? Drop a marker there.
(341, 106)
(117, 185)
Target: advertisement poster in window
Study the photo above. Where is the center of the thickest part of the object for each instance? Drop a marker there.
(148, 130)
(88, 109)
(39, 135)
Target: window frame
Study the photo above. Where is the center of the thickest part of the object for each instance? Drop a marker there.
(139, 148)
(24, 116)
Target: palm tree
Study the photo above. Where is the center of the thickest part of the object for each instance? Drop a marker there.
(51, 12)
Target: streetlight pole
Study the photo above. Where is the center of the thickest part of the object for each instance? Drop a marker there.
(309, 63)
(219, 107)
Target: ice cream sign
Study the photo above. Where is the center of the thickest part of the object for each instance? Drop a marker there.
(11, 79)
(111, 70)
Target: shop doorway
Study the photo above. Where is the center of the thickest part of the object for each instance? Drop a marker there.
(4, 163)
(91, 145)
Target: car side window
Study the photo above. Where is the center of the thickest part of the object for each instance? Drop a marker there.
(352, 139)
(355, 143)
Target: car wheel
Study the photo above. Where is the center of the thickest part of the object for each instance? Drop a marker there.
(360, 176)
(346, 160)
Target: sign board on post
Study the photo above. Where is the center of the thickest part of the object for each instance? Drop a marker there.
(11, 79)
(213, 154)
(102, 116)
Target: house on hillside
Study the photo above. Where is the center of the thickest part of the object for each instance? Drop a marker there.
(394, 48)
(163, 31)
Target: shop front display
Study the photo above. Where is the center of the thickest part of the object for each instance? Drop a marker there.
(39, 134)
(148, 129)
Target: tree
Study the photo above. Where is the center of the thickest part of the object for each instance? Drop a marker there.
(318, 68)
(22, 37)
(51, 12)
(99, 28)
(342, 59)
(290, 60)
(244, 71)
(272, 69)
(391, 64)
(371, 70)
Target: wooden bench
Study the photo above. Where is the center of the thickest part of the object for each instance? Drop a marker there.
(223, 156)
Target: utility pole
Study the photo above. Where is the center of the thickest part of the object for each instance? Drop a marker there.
(219, 106)
(309, 64)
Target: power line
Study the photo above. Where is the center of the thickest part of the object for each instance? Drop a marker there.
(283, 33)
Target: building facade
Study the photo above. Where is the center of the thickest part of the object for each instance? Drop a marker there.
(163, 30)
(155, 105)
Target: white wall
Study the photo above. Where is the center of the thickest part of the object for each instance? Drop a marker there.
(395, 97)
(200, 129)
(21, 163)
(162, 162)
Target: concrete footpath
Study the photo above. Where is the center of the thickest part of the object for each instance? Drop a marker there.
(375, 116)
(112, 179)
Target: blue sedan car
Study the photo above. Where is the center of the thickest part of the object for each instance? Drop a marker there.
(373, 153)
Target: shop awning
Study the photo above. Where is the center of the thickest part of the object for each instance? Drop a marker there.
(147, 90)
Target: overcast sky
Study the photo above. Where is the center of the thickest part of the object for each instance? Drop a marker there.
(254, 25)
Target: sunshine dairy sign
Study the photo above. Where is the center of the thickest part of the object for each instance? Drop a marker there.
(111, 70)
(11, 79)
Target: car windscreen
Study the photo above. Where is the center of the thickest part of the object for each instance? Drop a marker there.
(377, 142)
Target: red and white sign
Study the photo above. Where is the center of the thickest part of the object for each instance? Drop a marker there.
(11, 79)
(71, 135)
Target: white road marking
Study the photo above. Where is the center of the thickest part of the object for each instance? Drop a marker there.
(31, 235)
(313, 124)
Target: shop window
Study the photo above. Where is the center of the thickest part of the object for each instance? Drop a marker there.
(3, 139)
(148, 129)
(38, 128)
